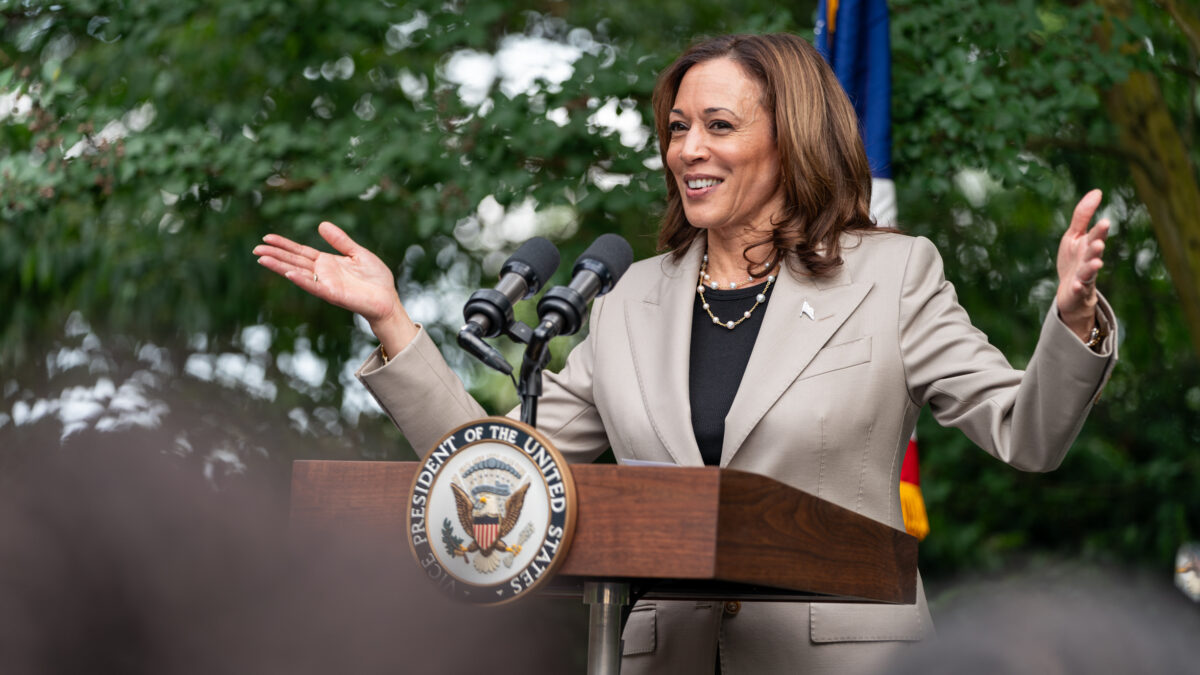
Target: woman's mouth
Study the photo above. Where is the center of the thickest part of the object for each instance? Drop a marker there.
(700, 186)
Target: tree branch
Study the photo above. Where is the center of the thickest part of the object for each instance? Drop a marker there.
(1188, 24)
(1190, 27)
(1189, 73)
(1038, 143)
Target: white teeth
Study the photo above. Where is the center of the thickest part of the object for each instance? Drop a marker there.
(702, 183)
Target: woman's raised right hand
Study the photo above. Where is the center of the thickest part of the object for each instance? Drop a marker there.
(357, 280)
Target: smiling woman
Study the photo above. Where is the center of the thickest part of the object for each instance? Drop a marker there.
(723, 157)
(781, 334)
(776, 104)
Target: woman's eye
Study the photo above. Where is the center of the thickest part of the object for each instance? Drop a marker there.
(676, 126)
(720, 125)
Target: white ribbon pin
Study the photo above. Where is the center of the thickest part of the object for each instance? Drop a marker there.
(807, 310)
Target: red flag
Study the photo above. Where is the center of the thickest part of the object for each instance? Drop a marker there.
(912, 503)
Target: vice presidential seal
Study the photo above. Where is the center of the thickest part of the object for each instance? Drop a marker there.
(491, 511)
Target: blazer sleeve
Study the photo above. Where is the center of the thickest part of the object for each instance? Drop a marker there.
(426, 399)
(1025, 418)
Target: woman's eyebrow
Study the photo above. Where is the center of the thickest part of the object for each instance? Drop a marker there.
(707, 111)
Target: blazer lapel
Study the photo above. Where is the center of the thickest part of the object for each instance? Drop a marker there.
(660, 328)
(802, 314)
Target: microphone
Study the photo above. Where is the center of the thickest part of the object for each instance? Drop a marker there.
(562, 308)
(489, 311)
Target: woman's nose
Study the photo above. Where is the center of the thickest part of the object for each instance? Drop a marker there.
(694, 147)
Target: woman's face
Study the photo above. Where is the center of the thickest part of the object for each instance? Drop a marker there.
(722, 151)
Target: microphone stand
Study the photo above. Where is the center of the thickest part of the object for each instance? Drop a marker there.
(529, 384)
(537, 357)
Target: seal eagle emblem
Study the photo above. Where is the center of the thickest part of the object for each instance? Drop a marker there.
(500, 501)
(489, 511)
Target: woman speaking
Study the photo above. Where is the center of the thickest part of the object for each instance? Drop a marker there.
(780, 333)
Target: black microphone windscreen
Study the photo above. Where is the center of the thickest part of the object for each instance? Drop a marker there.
(539, 255)
(612, 251)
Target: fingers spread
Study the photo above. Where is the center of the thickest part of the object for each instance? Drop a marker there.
(282, 255)
(1084, 210)
(291, 246)
(337, 238)
(1100, 231)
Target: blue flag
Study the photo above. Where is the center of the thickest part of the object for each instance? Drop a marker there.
(852, 35)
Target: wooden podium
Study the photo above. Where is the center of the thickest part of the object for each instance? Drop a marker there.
(661, 532)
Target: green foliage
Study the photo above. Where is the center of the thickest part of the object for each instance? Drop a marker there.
(1011, 79)
(241, 119)
(152, 144)
(1014, 93)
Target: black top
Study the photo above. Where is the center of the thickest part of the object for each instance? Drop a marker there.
(718, 361)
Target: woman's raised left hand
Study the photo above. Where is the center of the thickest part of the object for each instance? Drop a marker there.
(1080, 257)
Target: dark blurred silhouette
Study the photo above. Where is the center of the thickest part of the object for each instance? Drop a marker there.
(124, 560)
(1078, 620)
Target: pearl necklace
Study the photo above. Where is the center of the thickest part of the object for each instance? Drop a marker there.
(706, 279)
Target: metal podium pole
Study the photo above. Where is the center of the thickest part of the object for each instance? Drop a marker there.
(605, 599)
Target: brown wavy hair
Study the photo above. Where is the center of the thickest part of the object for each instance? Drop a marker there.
(826, 180)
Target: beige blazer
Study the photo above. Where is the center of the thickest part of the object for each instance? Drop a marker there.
(827, 405)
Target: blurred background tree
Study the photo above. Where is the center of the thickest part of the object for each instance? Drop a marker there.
(146, 147)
